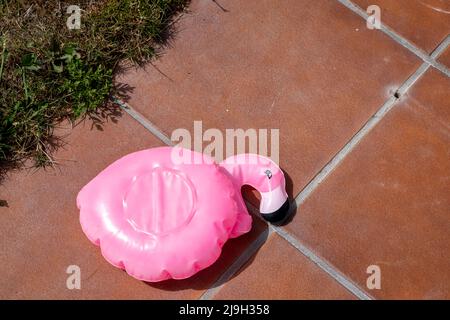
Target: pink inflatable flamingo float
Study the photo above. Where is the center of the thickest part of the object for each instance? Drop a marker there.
(160, 219)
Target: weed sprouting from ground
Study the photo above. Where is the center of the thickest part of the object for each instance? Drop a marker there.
(49, 72)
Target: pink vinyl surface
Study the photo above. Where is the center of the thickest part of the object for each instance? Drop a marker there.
(159, 219)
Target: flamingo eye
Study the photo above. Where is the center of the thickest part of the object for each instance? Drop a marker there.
(268, 173)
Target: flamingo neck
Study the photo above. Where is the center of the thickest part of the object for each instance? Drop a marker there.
(260, 173)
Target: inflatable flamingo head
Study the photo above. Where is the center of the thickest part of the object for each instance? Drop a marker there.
(266, 177)
(159, 219)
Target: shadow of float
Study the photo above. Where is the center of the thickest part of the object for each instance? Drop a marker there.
(230, 264)
(233, 260)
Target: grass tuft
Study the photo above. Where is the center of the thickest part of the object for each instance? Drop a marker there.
(49, 72)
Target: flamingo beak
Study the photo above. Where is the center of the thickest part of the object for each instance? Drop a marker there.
(275, 205)
(279, 216)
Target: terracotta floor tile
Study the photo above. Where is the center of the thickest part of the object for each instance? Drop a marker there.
(445, 57)
(388, 203)
(279, 271)
(426, 23)
(309, 68)
(41, 235)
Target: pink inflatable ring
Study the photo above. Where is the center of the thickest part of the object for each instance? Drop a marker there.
(166, 212)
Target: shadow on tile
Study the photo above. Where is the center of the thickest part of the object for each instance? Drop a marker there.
(221, 7)
(210, 277)
(123, 91)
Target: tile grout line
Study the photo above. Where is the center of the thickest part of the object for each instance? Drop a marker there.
(329, 269)
(245, 256)
(368, 126)
(301, 197)
(256, 244)
(260, 240)
(322, 264)
(329, 167)
(399, 39)
(247, 253)
(441, 48)
(334, 162)
(142, 120)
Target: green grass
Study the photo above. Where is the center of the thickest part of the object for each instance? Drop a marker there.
(49, 73)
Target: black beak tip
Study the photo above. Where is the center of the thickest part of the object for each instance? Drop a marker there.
(279, 216)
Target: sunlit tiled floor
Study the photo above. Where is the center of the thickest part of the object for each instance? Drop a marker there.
(364, 119)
